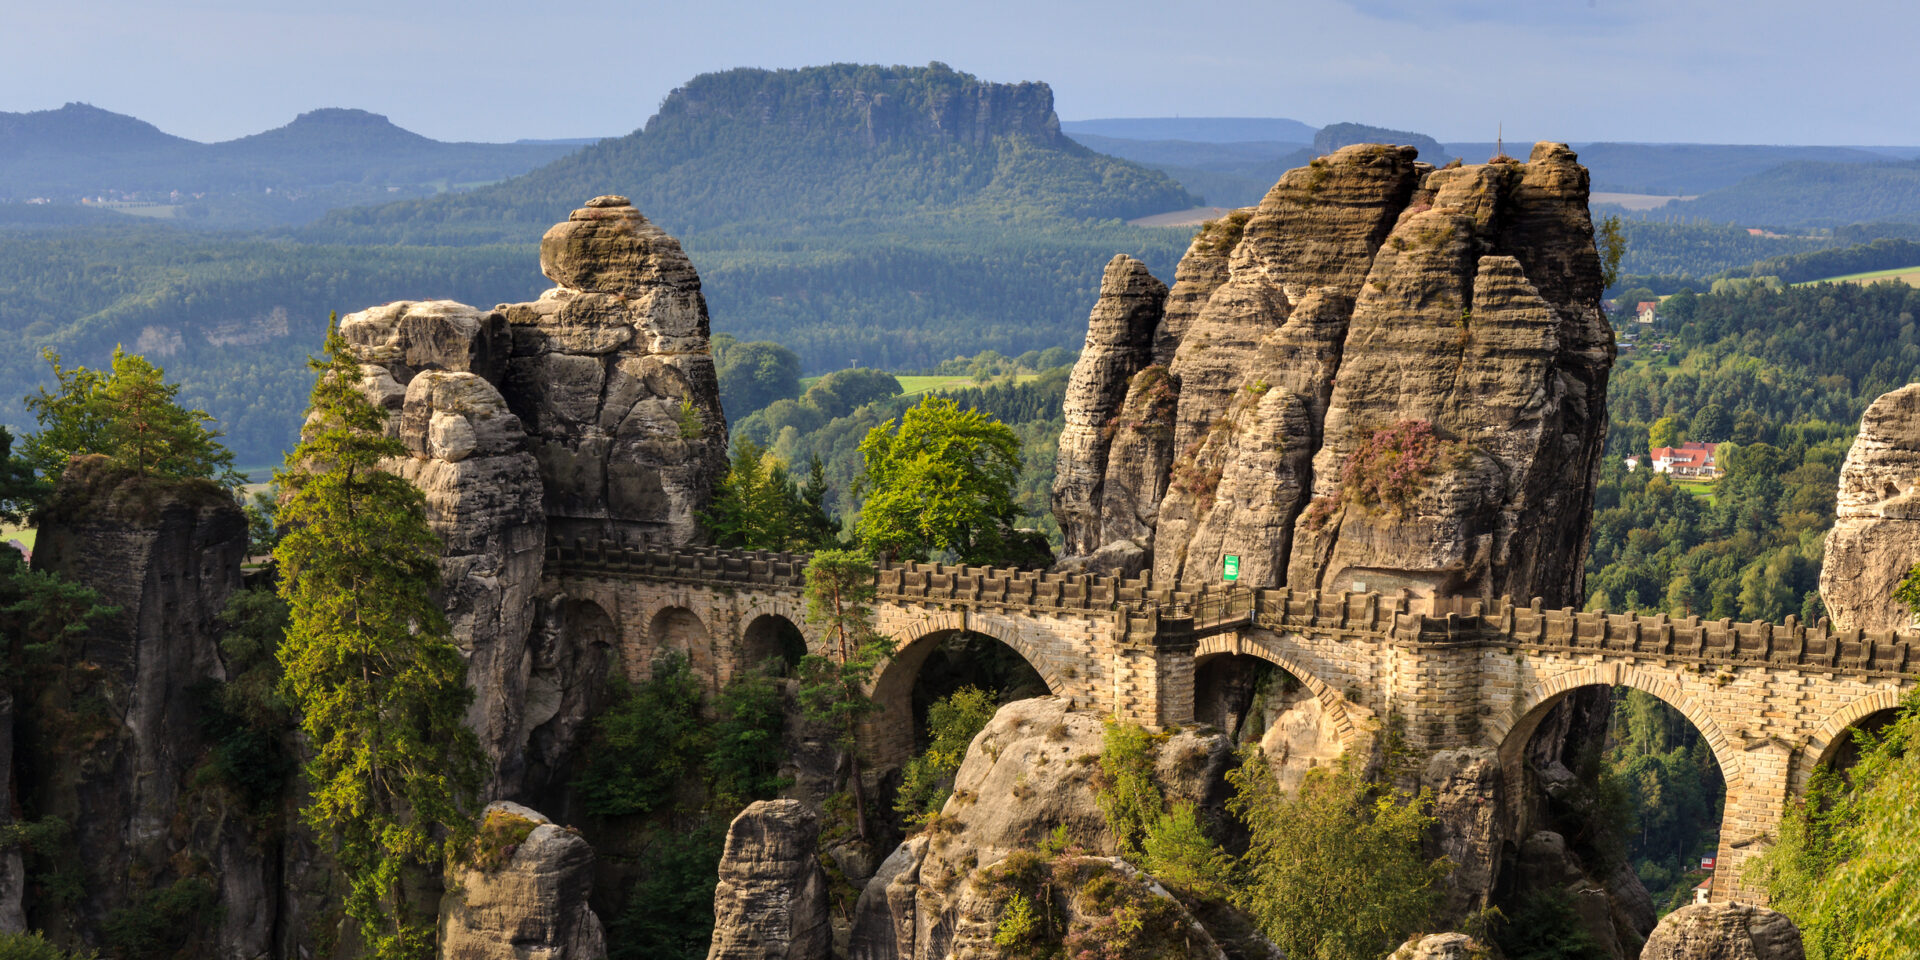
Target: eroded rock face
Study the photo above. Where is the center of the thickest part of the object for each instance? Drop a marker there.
(531, 906)
(1028, 773)
(1366, 290)
(1876, 527)
(771, 903)
(1468, 828)
(115, 744)
(1724, 931)
(1614, 910)
(590, 413)
(1440, 946)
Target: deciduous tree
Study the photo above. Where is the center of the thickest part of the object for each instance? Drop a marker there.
(943, 480)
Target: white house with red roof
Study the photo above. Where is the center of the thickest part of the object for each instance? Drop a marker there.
(1690, 459)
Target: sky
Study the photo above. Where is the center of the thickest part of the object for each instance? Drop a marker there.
(1704, 71)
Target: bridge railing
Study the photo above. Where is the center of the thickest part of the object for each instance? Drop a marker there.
(1213, 608)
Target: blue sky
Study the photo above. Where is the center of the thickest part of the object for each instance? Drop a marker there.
(1758, 71)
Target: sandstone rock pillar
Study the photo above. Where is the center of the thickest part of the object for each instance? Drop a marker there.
(523, 894)
(771, 903)
(1876, 528)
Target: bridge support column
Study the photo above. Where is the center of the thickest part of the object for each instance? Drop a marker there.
(1153, 672)
(1757, 797)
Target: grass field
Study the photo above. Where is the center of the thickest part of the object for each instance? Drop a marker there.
(1699, 488)
(22, 534)
(1907, 275)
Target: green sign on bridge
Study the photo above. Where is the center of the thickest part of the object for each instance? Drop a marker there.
(1230, 567)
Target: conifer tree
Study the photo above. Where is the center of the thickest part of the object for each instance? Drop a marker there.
(128, 413)
(370, 666)
(833, 688)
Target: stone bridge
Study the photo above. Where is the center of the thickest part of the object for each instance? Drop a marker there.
(1773, 701)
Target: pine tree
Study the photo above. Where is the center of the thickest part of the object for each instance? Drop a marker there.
(833, 688)
(129, 414)
(370, 666)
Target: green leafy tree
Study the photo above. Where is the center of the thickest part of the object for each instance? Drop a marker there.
(1847, 867)
(952, 723)
(129, 414)
(1908, 591)
(944, 480)
(646, 743)
(743, 764)
(1610, 239)
(370, 668)
(833, 687)
(1334, 869)
(20, 490)
(755, 374)
(1665, 432)
(758, 505)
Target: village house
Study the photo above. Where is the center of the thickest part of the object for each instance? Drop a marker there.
(1648, 310)
(1691, 459)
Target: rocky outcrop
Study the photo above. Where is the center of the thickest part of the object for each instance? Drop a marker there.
(1440, 946)
(1614, 910)
(1368, 296)
(1876, 527)
(591, 413)
(112, 727)
(1119, 341)
(771, 903)
(1028, 774)
(523, 894)
(1468, 826)
(1724, 931)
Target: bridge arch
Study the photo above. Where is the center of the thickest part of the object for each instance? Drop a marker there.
(676, 628)
(1512, 730)
(1331, 701)
(891, 730)
(1835, 735)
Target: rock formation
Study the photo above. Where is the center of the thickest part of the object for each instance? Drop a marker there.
(771, 903)
(115, 736)
(1724, 931)
(1440, 946)
(526, 896)
(1876, 527)
(1384, 376)
(591, 413)
(1027, 774)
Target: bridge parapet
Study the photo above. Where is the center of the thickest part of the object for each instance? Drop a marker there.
(1140, 606)
(1790, 644)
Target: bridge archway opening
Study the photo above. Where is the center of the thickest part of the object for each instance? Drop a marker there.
(934, 666)
(773, 643)
(1618, 772)
(1242, 695)
(678, 630)
(1843, 750)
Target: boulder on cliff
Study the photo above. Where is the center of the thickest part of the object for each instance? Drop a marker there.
(1029, 773)
(1383, 376)
(1876, 526)
(522, 893)
(771, 903)
(1724, 931)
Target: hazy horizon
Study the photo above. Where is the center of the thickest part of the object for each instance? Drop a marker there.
(1764, 72)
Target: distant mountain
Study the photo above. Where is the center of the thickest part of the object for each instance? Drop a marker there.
(323, 159)
(750, 151)
(1199, 129)
(1807, 194)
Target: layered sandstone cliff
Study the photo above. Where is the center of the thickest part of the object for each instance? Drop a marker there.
(1384, 376)
(114, 731)
(1876, 527)
(592, 412)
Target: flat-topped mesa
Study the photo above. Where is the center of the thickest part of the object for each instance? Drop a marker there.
(1876, 528)
(1384, 376)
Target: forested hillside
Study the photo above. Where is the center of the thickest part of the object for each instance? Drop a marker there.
(1783, 376)
(1813, 194)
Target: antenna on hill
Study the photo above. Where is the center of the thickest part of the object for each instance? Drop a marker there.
(1500, 139)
